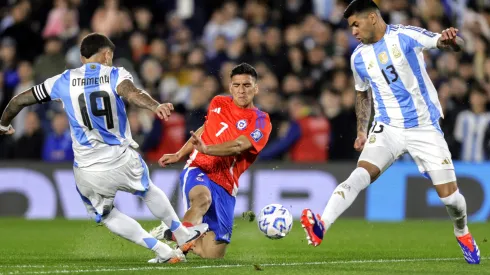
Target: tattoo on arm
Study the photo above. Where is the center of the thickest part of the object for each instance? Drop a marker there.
(458, 46)
(136, 96)
(363, 111)
(15, 105)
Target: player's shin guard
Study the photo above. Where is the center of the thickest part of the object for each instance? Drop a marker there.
(456, 208)
(160, 207)
(126, 227)
(345, 194)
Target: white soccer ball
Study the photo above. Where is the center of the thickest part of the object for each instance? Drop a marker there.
(275, 221)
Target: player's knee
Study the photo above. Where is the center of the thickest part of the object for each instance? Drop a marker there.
(214, 253)
(201, 200)
(446, 190)
(444, 181)
(373, 170)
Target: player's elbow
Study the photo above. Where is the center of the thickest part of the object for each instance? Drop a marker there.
(240, 147)
(236, 149)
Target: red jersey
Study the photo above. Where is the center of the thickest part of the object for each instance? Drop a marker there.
(226, 121)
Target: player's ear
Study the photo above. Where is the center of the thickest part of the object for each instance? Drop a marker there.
(82, 59)
(373, 16)
(107, 57)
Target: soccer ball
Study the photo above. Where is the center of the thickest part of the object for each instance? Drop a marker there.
(275, 221)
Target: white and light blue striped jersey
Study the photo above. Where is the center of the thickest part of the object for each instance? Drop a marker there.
(470, 132)
(394, 68)
(98, 122)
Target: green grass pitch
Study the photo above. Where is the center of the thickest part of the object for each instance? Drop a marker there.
(351, 247)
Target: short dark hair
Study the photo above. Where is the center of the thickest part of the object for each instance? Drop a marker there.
(358, 6)
(244, 68)
(93, 43)
(478, 89)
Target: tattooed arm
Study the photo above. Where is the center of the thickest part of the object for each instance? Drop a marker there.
(142, 99)
(363, 111)
(363, 114)
(15, 105)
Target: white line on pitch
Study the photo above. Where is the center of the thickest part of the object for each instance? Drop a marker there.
(233, 266)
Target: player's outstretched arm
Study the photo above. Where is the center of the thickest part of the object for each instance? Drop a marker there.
(16, 104)
(229, 148)
(183, 152)
(142, 99)
(363, 114)
(450, 41)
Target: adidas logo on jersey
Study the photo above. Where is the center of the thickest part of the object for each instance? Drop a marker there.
(216, 110)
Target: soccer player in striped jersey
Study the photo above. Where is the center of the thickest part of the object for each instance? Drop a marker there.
(390, 62)
(227, 144)
(105, 159)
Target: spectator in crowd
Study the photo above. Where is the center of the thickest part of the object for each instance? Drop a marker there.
(57, 145)
(29, 146)
(471, 126)
(52, 62)
(307, 137)
(184, 54)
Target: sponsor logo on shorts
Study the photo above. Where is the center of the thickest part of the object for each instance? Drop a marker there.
(372, 139)
(446, 161)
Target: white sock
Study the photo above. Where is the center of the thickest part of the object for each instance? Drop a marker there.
(126, 227)
(456, 208)
(345, 194)
(160, 207)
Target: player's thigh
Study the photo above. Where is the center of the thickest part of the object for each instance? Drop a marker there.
(220, 215)
(134, 176)
(196, 189)
(209, 248)
(429, 150)
(384, 145)
(96, 189)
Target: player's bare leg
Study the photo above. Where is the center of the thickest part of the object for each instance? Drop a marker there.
(456, 208)
(200, 201)
(209, 248)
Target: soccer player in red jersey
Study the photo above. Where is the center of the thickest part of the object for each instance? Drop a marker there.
(220, 151)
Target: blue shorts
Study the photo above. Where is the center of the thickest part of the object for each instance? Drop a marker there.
(221, 213)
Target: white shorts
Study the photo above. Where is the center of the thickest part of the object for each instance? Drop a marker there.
(426, 145)
(98, 188)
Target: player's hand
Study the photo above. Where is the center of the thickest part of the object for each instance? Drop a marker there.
(360, 141)
(168, 159)
(198, 143)
(164, 110)
(10, 131)
(448, 36)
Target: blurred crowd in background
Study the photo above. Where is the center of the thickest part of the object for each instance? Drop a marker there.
(182, 51)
